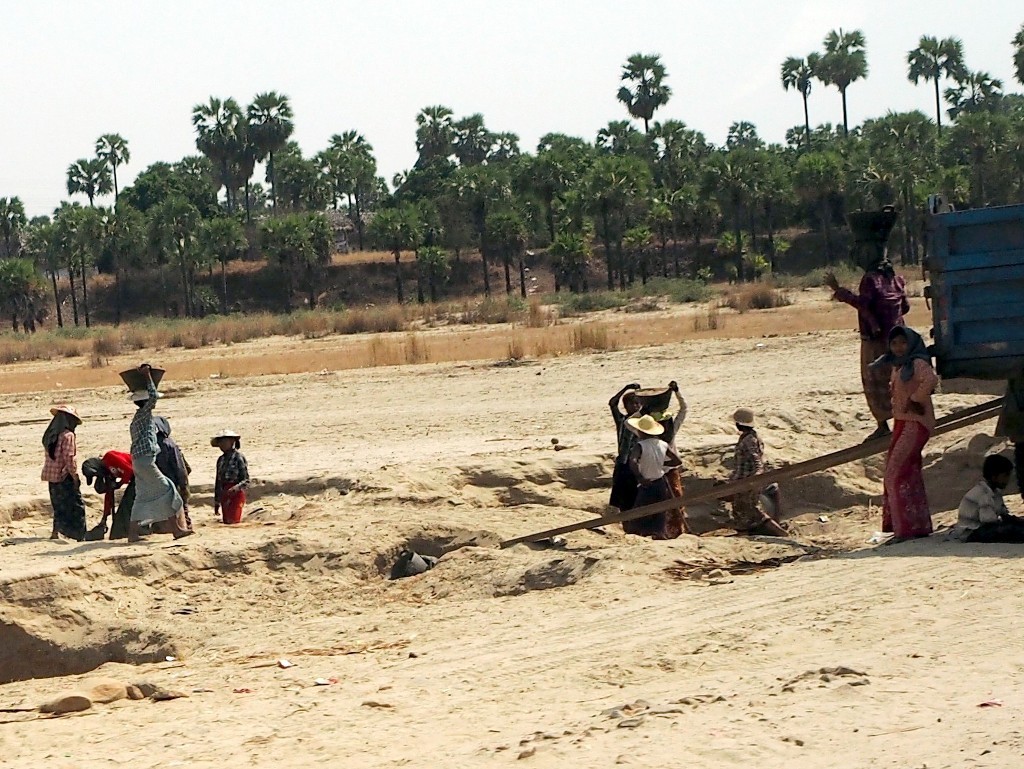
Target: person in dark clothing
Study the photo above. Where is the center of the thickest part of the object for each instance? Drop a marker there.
(1011, 425)
(172, 463)
(624, 483)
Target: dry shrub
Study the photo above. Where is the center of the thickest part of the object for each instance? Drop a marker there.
(757, 297)
(107, 344)
(416, 351)
(516, 349)
(712, 320)
(590, 336)
(539, 315)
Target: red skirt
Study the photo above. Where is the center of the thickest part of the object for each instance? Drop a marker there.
(231, 507)
(905, 508)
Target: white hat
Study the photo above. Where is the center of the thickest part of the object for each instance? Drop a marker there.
(646, 424)
(224, 434)
(137, 396)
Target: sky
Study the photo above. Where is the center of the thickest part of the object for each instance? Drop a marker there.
(76, 69)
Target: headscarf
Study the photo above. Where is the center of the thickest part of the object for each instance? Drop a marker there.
(169, 460)
(916, 350)
(61, 421)
(163, 427)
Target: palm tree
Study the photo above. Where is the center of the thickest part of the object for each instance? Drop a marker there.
(90, 177)
(570, 253)
(12, 222)
(433, 261)
(20, 290)
(354, 172)
(435, 134)
(175, 224)
(508, 236)
(799, 74)
(648, 92)
(125, 235)
(973, 92)
(42, 246)
(1018, 54)
(270, 127)
(932, 60)
(397, 230)
(220, 135)
(844, 62)
(817, 177)
(112, 149)
(223, 239)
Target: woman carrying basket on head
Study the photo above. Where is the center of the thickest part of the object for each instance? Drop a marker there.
(156, 498)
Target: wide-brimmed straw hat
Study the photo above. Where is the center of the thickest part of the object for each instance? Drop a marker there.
(69, 410)
(744, 417)
(646, 424)
(138, 396)
(224, 434)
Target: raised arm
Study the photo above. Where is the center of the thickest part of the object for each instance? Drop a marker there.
(681, 402)
(613, 403)
(863, 300)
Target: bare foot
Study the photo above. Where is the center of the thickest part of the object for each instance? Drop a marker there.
(183, 533)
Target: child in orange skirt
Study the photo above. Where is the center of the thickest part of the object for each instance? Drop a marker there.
(232, 477)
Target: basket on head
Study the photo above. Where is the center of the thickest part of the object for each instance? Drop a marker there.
(136, 380)
(872, 226)
(654, 400)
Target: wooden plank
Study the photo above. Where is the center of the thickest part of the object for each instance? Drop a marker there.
(965, 418)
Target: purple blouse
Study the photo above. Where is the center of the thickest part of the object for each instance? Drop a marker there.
(881, 303)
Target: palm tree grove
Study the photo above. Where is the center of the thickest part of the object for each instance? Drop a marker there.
(645, 199)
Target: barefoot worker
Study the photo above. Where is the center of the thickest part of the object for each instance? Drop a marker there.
(106, 474)
(156, 498)
(881, 302)
(171, 462)
(649, 459)
(747, 515)
(672, 422)
(912, 381)
(232, 476)
(60, 471)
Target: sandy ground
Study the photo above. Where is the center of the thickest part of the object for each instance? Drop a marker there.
(605, 652)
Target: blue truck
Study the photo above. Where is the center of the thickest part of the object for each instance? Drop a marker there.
(975, 265)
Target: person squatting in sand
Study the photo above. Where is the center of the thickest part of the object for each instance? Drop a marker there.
(905, 510)
(156, 498)
(1011, 425)
(748, 517)
(983, 516)
(60, 471)
(881, 303)
(106, 474)
(650, 459)
(232, 477)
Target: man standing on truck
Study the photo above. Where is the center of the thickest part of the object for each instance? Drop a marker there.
(1011, 425)
(881, 302)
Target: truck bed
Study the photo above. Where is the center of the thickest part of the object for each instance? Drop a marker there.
(976, 268)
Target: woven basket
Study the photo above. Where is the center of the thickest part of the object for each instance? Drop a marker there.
(136, 380)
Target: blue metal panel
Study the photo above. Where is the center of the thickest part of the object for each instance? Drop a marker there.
(976, 261)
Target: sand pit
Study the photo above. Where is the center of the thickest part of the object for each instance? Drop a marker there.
(603, 650)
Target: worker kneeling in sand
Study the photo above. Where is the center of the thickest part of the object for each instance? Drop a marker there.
(983, 516)
(156, 498)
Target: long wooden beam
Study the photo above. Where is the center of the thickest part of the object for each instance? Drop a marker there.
(947, 424)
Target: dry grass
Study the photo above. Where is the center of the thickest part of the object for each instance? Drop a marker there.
(516, 348)
(452, 343)
(712, 320)
(756, 296)
(591, 336)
